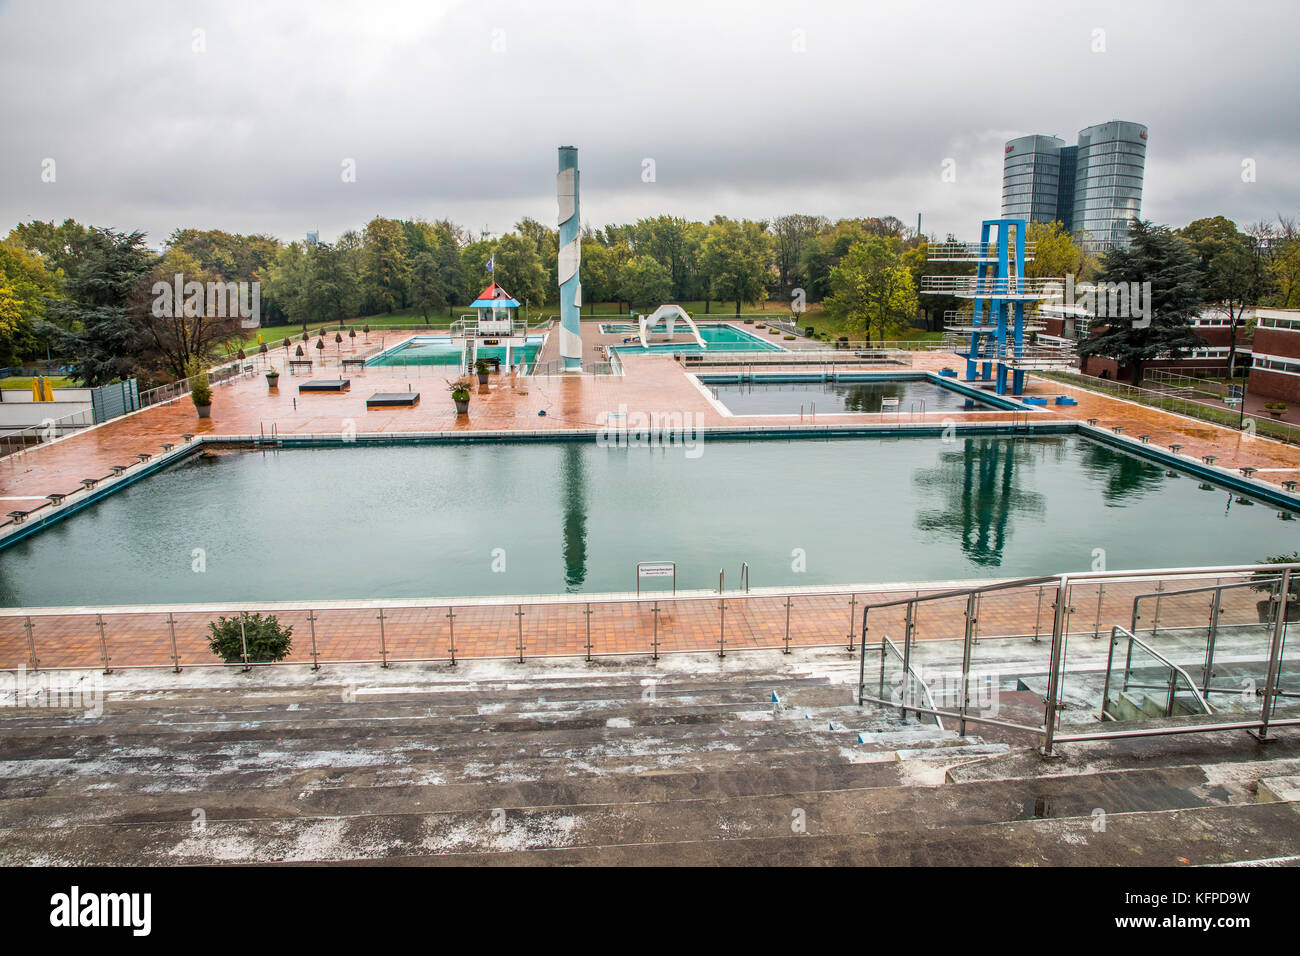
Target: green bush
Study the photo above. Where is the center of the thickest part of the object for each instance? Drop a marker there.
(267, 640)
(200, 388)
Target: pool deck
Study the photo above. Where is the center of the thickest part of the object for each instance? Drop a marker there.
(651, 384)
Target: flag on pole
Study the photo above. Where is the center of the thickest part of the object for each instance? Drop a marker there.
(491, 266)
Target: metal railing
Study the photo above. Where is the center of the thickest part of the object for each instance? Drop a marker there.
(324, 633)
(1134, 675)
(1235, 419)
(972, 251)
(18, 440)
(961, 611)
(992, 287)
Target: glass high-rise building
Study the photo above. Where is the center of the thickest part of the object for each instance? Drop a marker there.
(1094, 189)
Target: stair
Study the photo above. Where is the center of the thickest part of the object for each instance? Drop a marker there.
(766, 760)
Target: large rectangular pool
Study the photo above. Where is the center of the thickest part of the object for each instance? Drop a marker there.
(359, 522)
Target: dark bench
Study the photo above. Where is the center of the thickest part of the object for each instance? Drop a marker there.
(295, 364)
(355, 363)
(393, 400)
(326, 385)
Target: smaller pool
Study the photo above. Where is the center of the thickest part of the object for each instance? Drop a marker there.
(846, 393)
(718, 337)
(443, 350)
(422, 350)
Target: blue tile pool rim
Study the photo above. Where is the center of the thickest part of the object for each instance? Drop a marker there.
(1003, 403)
(1220, 476)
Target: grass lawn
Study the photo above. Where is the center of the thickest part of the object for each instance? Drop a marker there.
(25, 384)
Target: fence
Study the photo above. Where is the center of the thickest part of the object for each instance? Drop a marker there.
(1227, 418)
(404, 631)
(1039, 655)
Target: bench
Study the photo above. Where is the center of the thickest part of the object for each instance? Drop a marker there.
(295, 364)
(326, 385)
(356, 363)
(393, 400)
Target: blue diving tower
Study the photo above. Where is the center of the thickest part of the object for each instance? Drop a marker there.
(992, 332)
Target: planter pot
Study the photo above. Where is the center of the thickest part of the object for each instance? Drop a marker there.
(273, 381)
(1265, 611)
(482, 378)
(1275, 414)
(204, 411)
(462, 406)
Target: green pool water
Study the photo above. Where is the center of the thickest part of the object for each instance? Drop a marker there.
(718, 337)
(431, 520)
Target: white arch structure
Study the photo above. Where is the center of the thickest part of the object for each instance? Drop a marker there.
(669, 313)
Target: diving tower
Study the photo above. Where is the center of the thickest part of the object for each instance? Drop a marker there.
(993, 328)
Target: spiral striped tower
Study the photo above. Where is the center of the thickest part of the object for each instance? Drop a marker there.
(566, 188)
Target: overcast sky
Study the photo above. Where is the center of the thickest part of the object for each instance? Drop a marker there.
(753, 108)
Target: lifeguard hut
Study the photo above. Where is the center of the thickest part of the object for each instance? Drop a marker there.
(495, 312)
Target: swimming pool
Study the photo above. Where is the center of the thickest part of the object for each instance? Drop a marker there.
(444, 350)
(718, 337)
(362, 522)
(845, 392)
(422, 350)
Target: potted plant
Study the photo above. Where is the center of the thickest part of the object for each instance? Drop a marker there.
(250, 639)
(1275, 408)
(200, 388)
(273, 377)
(460, 390)
(482, 367)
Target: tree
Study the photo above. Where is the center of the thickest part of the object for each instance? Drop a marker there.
(872, 289)
(103, 335)
(518, 267)
(287, 284)
(179, 334)
(25, 286)
(1167, 261)
(791, 236)
(600, 272)
(385, 267)
(736, 261)
(1056, 254)
(427, 290)
(643, 281)
(333, 287)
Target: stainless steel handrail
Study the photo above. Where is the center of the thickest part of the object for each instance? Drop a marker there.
(1134, 639)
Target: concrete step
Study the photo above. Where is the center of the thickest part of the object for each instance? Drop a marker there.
(375, 824)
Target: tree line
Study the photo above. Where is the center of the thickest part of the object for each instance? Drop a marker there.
(84, 294)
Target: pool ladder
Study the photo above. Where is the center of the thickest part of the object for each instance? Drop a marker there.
(744, 578)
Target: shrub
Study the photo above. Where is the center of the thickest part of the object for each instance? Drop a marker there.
(267, 639)
(200, 388)
(1268, 580)
(460, 389)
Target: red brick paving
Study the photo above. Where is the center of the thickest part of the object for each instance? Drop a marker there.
(655, 384)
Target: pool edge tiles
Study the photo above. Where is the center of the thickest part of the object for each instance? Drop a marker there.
(704, 380)
(1232, 481)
